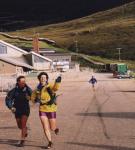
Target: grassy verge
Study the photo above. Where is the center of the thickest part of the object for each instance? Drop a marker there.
(131, 64)
(28, 45)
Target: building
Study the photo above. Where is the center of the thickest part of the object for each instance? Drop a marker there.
(16, 60)
(13, 67)
(9, 50)
(60, 61)
(38, 62)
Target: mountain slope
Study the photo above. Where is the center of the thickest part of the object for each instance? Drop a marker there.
(16, 14)
(98, 34)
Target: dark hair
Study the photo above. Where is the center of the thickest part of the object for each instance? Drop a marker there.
(43, 73)
(19, 78)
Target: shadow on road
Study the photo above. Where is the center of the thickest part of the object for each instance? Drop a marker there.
(125, 91)
(8, 127)
(12, 142)
(8, 141)
(122, 115)
(107, 147)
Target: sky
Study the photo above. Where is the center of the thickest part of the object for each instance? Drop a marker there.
(59, 5)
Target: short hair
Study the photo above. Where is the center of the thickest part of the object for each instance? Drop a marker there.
(43, 73)
(19, 78)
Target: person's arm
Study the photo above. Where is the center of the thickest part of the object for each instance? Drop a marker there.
(90, 81)
(51, 89)
(29, 93)
(56, 85)
(10, 99)
(34, 96)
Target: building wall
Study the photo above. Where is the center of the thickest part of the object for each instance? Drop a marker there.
(6, 68)
(40, 63)
(7, 51)
(59, 58)
(42, 66)
(29, 59)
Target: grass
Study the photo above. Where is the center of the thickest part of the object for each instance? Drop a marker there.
(98, 62)
(102, 60)
(100, 33)
(29, 44)
(130, 64)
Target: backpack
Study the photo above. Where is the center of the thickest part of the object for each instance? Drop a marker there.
(10, 98)
(51, 94)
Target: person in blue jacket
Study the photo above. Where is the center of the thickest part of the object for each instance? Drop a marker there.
(93, 80)
(17, 100)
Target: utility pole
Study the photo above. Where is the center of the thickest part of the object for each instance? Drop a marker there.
(119, 52)
(76, 43)
(76, 46)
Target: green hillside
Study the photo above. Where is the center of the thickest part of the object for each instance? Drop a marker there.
(98, 34)
(27, 44)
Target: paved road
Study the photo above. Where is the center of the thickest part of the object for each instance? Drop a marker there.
(103, 119)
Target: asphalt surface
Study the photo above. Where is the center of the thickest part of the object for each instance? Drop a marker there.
(100, 119)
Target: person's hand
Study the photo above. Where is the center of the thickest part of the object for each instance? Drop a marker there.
(58, 80)
(37, 100)
(13, 109)
(28, 97)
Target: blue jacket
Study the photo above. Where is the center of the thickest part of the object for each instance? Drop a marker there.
(93, 80)
(18, 98)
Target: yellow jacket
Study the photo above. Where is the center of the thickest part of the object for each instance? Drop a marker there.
(44, 97)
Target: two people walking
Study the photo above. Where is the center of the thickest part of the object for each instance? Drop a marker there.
(17, 100)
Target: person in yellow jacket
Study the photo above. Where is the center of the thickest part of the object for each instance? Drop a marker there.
(46, 96)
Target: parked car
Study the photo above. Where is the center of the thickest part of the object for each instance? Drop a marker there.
(124, 75)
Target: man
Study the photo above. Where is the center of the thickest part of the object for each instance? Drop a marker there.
(17, 100)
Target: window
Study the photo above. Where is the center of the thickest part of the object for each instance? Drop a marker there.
(3, 49)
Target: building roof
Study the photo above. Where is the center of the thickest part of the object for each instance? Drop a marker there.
(15, 62)
(57, 54)
(14, 47)
(46, 50)
(27, 39)
(45, 58)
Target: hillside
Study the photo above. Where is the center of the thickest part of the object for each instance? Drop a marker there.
(98, 34)
(16, 14)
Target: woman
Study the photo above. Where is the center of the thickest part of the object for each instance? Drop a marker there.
(17, 100)
(45, 95)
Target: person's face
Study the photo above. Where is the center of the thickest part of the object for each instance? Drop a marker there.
(21, 82)
(43, 79)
